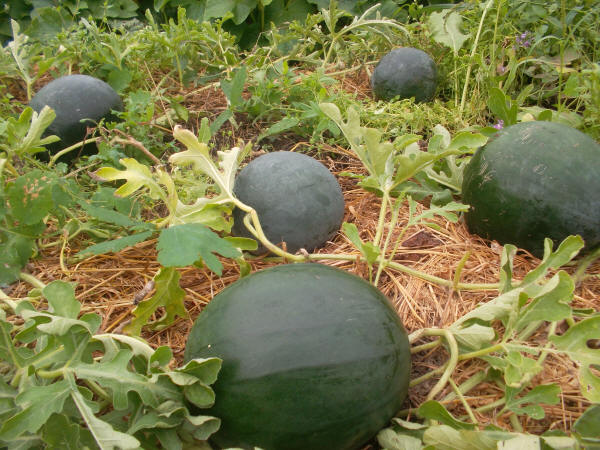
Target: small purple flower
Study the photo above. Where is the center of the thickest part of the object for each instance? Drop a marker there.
(499, 125)
(522, 40)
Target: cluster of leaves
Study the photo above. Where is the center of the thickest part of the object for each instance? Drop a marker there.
(40, 196)
(64, 385)
(536, 304)
(246, 19)
(543, 57)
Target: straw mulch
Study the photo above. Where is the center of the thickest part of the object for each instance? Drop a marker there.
(112, 284)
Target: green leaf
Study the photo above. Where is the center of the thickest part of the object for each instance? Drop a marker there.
(30, 196)
(521, 442)
(38, 403)
(204, 369)
(551, 302)
(233, 89)
(203, 427)
(199, 395)
(25, 134)
(370, 251)
(15, 251)
(239, 8)
(542, 394)
(574, 342)
(444, 437)
(284, 124)
(391, 440)
(433, 410)
(446, 29)
(105, 436)
(518, 369)
(566, 251)
(56, 325)
(107, 215)
(61, 299)
(587, 425)
(506, 267)
(115, 245)
(168, 294)
(242, 243)
(61, 433)
(474, 337)
(182, 245)
(502, 106)
(447, 211)
(113, 343)
(115, 375)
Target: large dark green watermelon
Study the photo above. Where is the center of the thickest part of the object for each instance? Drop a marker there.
(80, 101)
(297, 199)
(535, 180)
(313, 358)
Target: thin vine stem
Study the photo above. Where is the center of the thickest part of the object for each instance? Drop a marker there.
(471, 58)
(64, 151)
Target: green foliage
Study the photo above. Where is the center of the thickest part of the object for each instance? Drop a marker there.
(75, 388)
(535, 303)
(168, 294)
(391, 164)
(183, 245)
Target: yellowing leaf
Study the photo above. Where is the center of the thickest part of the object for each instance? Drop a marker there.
(137, 176)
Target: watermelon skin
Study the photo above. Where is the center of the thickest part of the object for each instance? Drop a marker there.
(313, 358)
(405, 72)
(534, 180)
(297, 199)
(75, 98)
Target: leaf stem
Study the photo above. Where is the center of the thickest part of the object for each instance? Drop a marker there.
(491, 406)
(482, 352)
(97, 389)
(51, 374)
(459, 269)
(448, 368)
(427, 346)
(28, 278)
(395, 207)
(64, 151)
(381, 220)
(463, 400)
(467, 385)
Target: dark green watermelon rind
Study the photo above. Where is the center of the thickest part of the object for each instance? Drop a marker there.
(405, 72)
(79, 101)
(535, 180)
(296, 198)
(327, 371)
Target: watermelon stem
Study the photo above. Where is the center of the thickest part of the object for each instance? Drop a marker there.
(64, 151)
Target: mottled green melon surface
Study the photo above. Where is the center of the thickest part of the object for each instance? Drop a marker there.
(313, 358)
(405, 72)
(535, 180)
(79, 101)
(297, 199)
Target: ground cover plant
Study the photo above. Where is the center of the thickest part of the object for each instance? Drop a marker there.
(106, 262)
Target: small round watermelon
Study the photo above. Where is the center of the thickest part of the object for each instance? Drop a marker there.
(313, 358)
(297, 199)
(79, 101)
(405, 72)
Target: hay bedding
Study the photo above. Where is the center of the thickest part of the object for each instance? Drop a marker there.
(112, 284)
